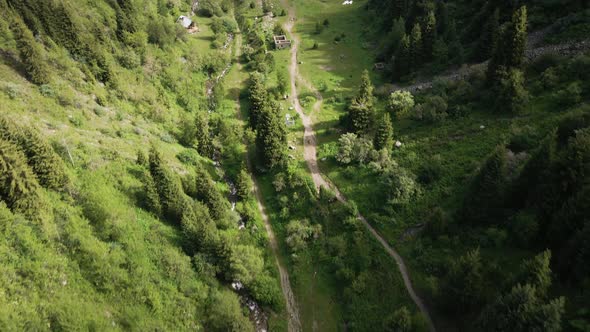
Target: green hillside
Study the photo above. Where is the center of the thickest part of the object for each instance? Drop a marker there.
(404, 165)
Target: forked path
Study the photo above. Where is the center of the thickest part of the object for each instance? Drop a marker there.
(310, 156)
(293, 321)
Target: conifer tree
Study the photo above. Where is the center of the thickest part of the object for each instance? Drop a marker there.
(403, 58)
(384, 134)
(511, 93)
(537, 272)
(271, 138)
(45, 163)
(18, 185)
(30, 53)
(361, 108)
(207, 192)
(198, 229)
(203, 137)
(168, 188)
(152, 199)
(258, 98)
(522, 310)
(429, 35)
(463, 285)
(484, 198)
(509, 51)
(142, 159)
(489, 37)
(416, 47)
(244, 185)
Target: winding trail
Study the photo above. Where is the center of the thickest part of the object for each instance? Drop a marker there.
(293, 321)
(310, 156)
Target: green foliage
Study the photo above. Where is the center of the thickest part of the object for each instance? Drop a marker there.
(18, 185)
(244, 185)
(258, 98)
(207, 192)
(522, 310)
(300, 232)
(384, 134)
(511, 93)
(267, 291)
(31, 54)
(429, 35)
(198, 229)
(361, 109)
(536, 272)
(167, 186)
(403, 58)
(485, 196)
(400, 103)
(352, 148)
(509, 51)
(400, 185)
(271, 138)
(416, 46)
(225, 313)
(41, 157)
(489, 37)
(463, 286)
(151, 200)
(399, 321)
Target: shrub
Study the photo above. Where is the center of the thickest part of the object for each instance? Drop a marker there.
(400, 103)
(188, 157)
(569, 96)
(430, 170)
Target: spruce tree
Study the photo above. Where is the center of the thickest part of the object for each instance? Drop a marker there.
(416, 47)
(517, 38)
(537, 272)
(18, 185)
(403, 58)
(361, 108)
(271, 138)
(244, 185)
(510, 90)
(30, 53)
(489, 37)
(384, 134)
(483, 202)
(44, 162)
(510, 47)
(152, 199)
(168, 188)
(207, 192)
(198, 229)
(202, 135)
(258, 98)
(522, 310)
(429, 35)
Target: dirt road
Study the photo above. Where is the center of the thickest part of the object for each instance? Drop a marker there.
(310, 156)
(293, 321)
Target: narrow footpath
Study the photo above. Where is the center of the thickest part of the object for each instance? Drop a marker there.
(310, 156)
(293, 321)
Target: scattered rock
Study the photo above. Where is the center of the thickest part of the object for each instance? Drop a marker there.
(398, 144)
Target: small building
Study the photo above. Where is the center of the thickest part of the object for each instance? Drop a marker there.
(281, 42)
(187, 23)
